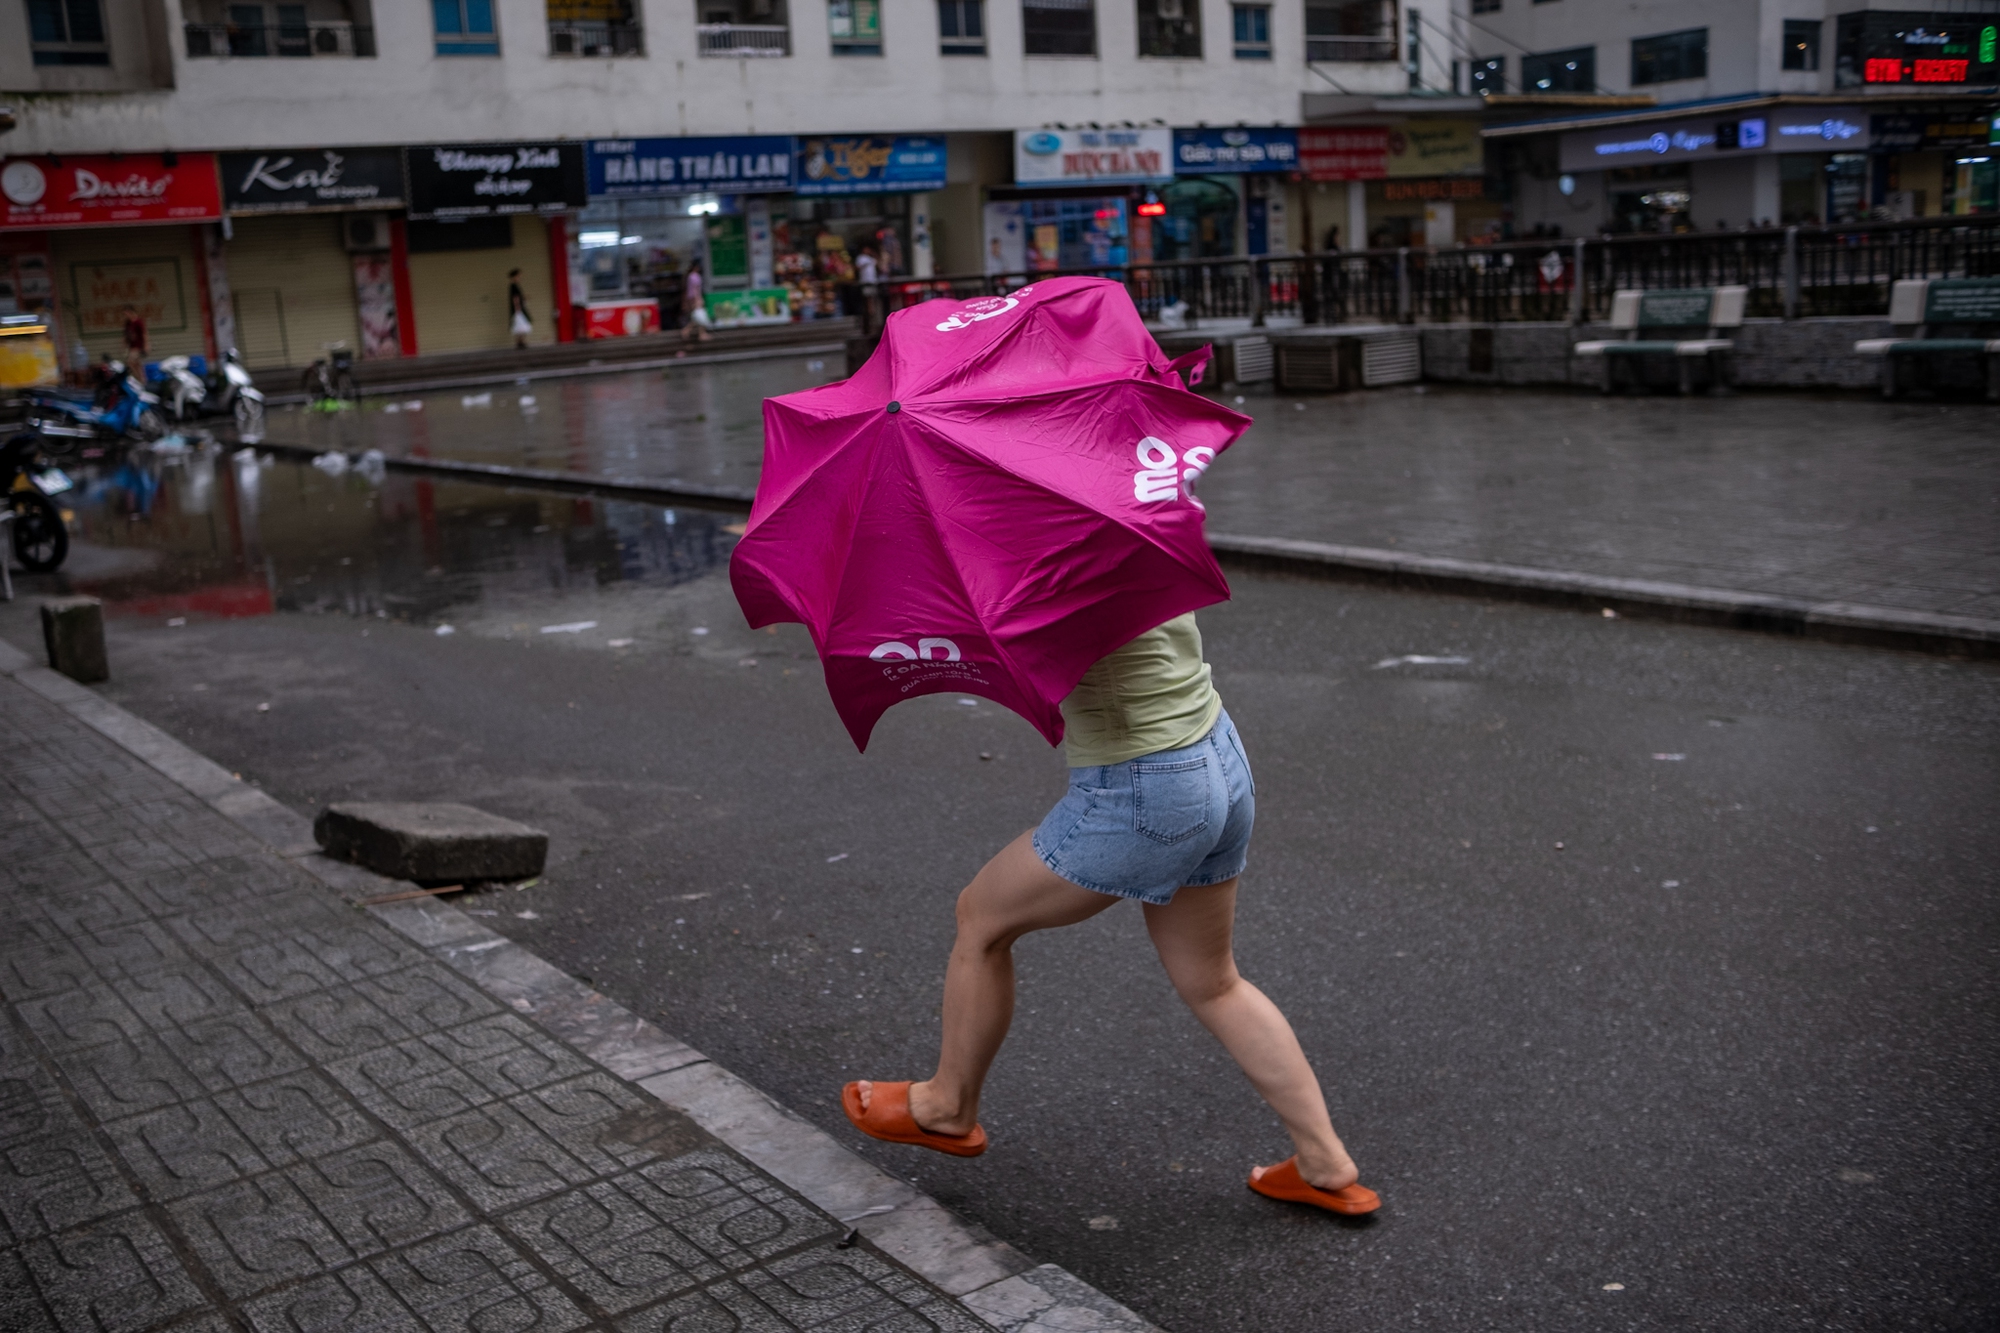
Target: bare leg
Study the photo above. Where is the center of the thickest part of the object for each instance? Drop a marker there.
(1193, 935)
(1012, 894)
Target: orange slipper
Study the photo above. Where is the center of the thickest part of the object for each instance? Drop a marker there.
(1283, 1181)
(888, 1118)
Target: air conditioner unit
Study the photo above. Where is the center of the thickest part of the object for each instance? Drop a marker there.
(365, 231)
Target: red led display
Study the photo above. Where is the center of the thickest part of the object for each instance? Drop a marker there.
(1884, 70)
(1941, 71)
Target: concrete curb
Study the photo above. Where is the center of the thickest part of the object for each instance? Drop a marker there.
(565, 372)
(993, 1281)
(1958, 636)
(1839, 622)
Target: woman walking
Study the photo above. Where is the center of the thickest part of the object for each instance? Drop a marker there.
(1159, 809)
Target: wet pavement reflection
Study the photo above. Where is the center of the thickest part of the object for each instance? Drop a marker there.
(208, 533)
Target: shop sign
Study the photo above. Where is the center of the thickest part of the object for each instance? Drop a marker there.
(755, 305)
(1907, 134)
(39, 192)
(734, 164)
(871, 164)
(1807, 129)
(496, 179)
(295, 180)
(1345, 152)
(1435, 148)
(1235, 152)
(151, 286)
(1920, 47)
(1442, 187)
(1092, 157)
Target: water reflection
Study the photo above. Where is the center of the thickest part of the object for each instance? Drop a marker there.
(208, 533)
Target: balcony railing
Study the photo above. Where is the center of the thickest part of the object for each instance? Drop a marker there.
(744, 39)
(596, 39)
(1348, 50)
(290, 40)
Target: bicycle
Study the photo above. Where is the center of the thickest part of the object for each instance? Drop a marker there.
(330, 379)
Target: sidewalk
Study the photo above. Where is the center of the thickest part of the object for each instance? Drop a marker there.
(230, 1099)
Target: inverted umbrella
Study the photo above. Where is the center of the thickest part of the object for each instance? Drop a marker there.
(1001, 496)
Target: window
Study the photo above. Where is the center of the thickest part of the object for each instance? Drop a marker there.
(1170, 29)
(277, 29)
(1670, 56)
(1490, 76)
(465, 28)
(67, 32)
(1571, 71)
(744, 28)
(594, 28)
(1801, 44)
(1251, 25)
(1059, 27)
(1345, 30)
(856, 27)
(962, 27)
(1486, 6)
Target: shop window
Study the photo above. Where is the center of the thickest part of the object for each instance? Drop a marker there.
(295, 30)
(1059, 27)
(962, 27)
(1801, 44)
(1350, 30)
(1251, 25)
(1490, 76)
(1670, 56)
(855, 26)
(67, 32)
(1200, 221)
(744, 27)
(1170, 29)
(594, 28)
(1571, 71)
(465, 28)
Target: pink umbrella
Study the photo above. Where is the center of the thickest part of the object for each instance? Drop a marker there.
(1001, 496)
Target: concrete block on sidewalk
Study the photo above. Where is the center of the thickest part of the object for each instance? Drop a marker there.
(432, 843)
(73, 631)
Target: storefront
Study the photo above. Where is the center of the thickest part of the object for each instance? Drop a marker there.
(1076, 200)
(478, 212)
(1932, 162)
(313, 258)
(1417, 181)
(1228, 183)
(89, 237)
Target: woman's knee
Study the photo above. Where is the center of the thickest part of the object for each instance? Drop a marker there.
(1204, 985)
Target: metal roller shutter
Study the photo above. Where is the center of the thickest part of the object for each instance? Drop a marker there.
(461, 295)
(98, 270)
(292, 284)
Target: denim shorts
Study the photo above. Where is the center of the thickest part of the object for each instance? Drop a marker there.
(1164, 821)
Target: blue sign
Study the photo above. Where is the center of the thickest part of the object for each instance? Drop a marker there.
(736, 164)
(1240, 151)
(871, 164)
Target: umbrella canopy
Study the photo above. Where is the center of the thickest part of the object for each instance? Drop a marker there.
(1000, 497)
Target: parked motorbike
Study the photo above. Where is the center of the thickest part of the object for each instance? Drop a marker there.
(41, 539)
(330, 379)
(179, 386)
(231, 391)
(122, 408)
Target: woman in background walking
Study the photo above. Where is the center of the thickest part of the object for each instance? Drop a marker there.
(518, 322)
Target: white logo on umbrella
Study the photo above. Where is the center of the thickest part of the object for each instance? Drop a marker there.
(977, 311)
(1161, 476)
(923, 652)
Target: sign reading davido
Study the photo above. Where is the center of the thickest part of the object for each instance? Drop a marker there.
(489, 180)
(39, 192)
(735, 164)
(312, 179)
(871, 164)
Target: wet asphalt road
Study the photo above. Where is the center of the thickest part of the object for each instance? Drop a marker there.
(1726, 1058)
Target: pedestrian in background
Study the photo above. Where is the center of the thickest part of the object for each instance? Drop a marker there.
(518, 322)
(137, 342)
(695, 304)
(867, 269)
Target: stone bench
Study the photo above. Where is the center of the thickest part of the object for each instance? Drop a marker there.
(1951, 322)
(1669, 320)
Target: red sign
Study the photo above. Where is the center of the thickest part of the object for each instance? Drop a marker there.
(42, 192)
(1350, 153)
(620, 319)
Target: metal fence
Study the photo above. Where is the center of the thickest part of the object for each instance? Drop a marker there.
(1792, 272)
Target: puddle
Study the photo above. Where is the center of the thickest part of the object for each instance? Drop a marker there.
(209, 534)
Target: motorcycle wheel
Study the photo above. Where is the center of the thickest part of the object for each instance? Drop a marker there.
(249, 418)
(151, 425)
(41, 542)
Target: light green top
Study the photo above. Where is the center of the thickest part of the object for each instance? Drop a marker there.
(1153, 694)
